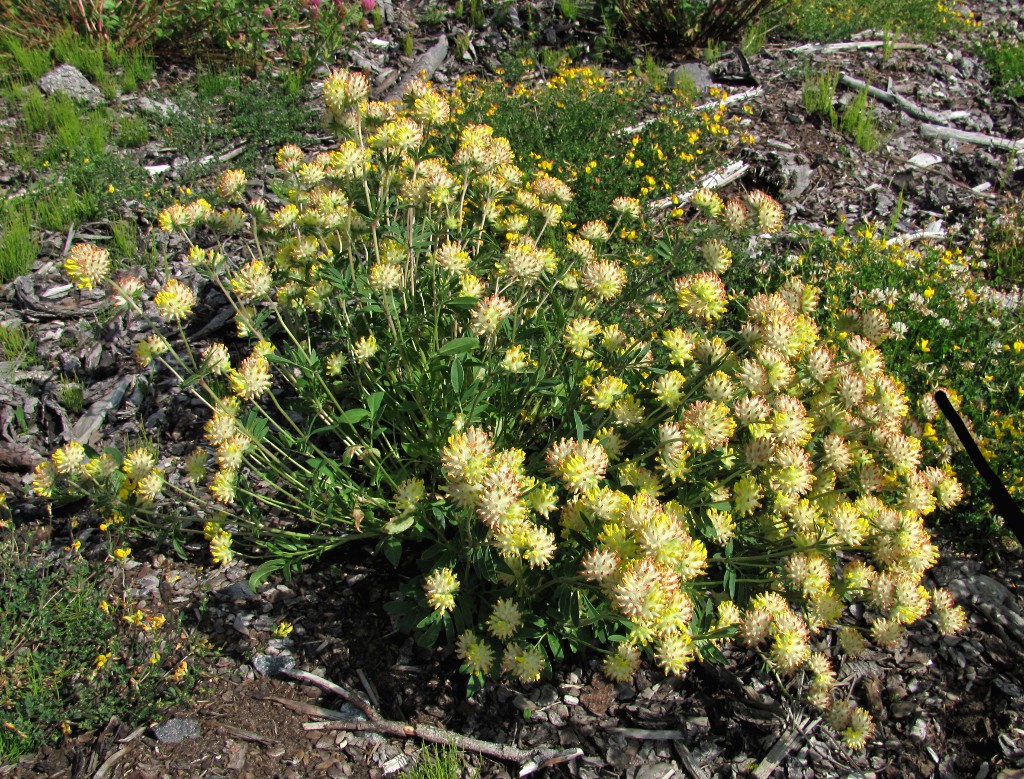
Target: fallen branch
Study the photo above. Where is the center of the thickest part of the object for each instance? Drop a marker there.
(534, 759)
(814, 48)
(907, 106)
(908, 238)
(713, 180)
(979, 139)
(308, 709)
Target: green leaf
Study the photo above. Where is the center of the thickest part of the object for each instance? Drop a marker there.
(474, 684)
(353, 415)
(729, 581)
(391, 548)
(458, 374)
(580, 430)
(458, 346)
(429, 636)
(396, 526)
(261, 574)
(556, 647)
(373, 403)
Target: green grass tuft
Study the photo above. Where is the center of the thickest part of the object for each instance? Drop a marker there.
(32, 62)
(820, 94)
(18, 245)
(859, 123)
(437, 762)
(132, 132)
(16, 344)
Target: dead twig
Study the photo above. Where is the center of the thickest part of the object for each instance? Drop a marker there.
(713, 180)
(529, 761)
(308, 709)
(104, 770)
(246, 735)
(691, 766)
(329, 686)
(786, 743)
(908, 107)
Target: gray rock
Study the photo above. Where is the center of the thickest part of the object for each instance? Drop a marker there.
(239, 591)
(177, 730)
(799, 178)
(68, 80)
(162, 108)
(696, 72)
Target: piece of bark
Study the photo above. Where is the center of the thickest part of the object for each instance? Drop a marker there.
(426, 64)
(88, 425)
(641, 734)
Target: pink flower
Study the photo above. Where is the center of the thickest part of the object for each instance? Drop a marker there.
(267, 12)
(369, 5)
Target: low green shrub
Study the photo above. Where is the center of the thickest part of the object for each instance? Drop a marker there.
(1006, 64)
(301, 35)
(68, 665)
(682, 24)
(561, 450)
(835, 20)
(608, 137)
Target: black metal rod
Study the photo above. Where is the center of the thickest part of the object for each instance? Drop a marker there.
(1001, 498)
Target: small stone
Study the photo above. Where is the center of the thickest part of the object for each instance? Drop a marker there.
(919, 731)
(177, 730)
(270, 665)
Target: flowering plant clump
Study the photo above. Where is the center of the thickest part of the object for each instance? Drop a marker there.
(949, 325)
(582, 455)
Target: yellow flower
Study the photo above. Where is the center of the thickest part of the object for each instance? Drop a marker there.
(122, 553)
(923, 345)
(174, 300)
(87, 266)
(102, 658)
(929, 293)
(440, 588)
(283, 630)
